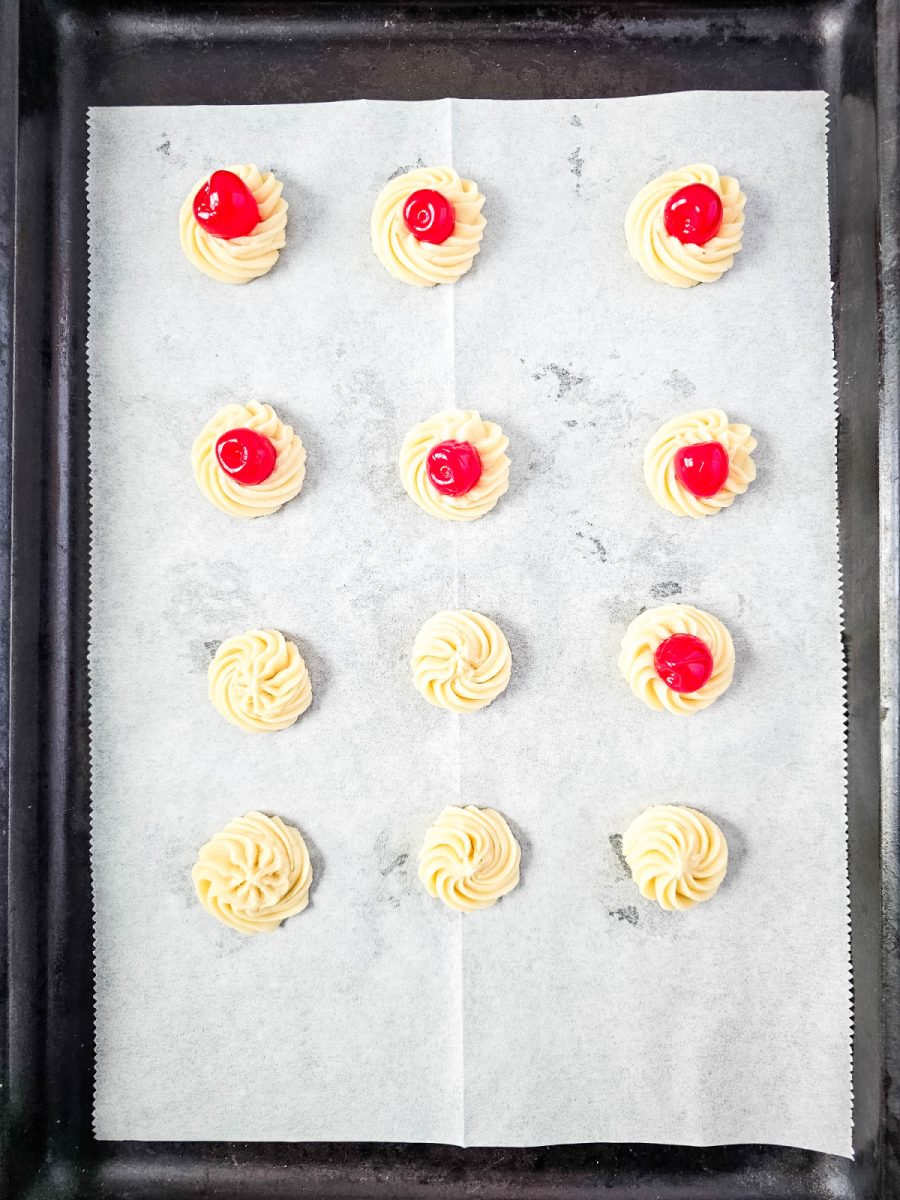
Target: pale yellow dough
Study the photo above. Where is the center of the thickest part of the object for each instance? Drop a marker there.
(644, 635)
(664, 257)
(259, 681)
(221, 489)
(254, 873)
(708, 425)
(470, 858)
(423, 264)
(238, 260)
(678, 857)
(460, 660)
(455, 425)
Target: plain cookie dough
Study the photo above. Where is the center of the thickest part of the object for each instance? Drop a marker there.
(259, 681)
(470, 858)
(240, 259)
(254, 873)
(460, 660)
(651, 628)
(664, 257)
(707, 425)
(424, 264)
(455, 425)
(260, 499)
(677, 856)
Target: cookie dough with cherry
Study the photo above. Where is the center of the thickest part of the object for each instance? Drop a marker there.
(427, 226)
(454, 465)
(677, 658)
(698, 463)
(233, 223)
(685, 227)
(247, 461)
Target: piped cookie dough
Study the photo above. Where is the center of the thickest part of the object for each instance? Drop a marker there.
(259, 681)
(254, 873)
(427, 226)
(460, 660)
(454, 465)
(677, 658)
(247, 462)
(685, 227)
(470, 858)
(677, 856)
(696, 464)
(233, 224)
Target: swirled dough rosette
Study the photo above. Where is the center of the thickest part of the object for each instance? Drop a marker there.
(239, 259)
(470, 858)
(677, 856)
(259, 681)
(663, 256)
(225, 492)
(644, 636)
(456, 425)
(424, 264)
(254, 873)
(690, 429)
(460, 660)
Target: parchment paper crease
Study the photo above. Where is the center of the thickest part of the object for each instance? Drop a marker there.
(574, 1010)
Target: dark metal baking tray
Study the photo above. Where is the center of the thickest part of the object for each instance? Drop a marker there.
(59, 57)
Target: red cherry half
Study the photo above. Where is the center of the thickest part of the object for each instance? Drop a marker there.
(246, 456)
(683, 662)
(225, 207)
(453, 468)
(702, 468)
(693, 214)
(429, 216)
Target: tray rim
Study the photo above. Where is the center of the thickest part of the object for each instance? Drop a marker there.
(17, 624)
(888, 118)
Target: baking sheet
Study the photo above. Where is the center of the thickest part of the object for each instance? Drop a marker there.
(573, 1010)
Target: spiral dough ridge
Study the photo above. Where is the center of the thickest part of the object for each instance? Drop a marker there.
(677, 856)
(254, 873)
(460, 660)
(470, 858)
(259, 681)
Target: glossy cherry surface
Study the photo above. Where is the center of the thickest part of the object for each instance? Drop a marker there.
(429, 216)
(245, 455)
(683, 662)
(702, 468)
(693, 214)
(225, 207)
(454, 468)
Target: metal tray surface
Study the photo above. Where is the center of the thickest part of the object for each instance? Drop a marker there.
(58, 57)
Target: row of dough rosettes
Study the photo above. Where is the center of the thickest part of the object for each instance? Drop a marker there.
(676, 658)
(257, 872)
(426, 228)
(454, 465)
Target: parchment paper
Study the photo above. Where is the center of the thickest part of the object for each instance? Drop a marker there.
(574, 1010)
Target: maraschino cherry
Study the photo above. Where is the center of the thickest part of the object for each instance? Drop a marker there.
(702, 468)
(247, 456)
(693, 214)
(429, 216)
(454, 468)
(225, 207)
(683, 662)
